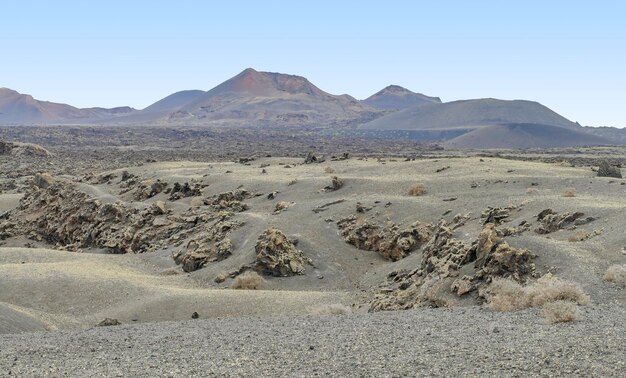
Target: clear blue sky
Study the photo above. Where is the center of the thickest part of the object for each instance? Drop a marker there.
(568, 55)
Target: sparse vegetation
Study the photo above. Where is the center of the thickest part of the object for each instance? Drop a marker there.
(616, 274)
(292, 182)
(249, 280)
(417, 190)
(508, 295)
(329, 169)
(569, 193)
(331, 309)
(532, 191)
(561, 312)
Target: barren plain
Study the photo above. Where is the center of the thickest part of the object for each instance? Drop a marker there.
(356, 256)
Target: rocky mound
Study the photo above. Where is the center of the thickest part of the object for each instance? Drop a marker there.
(22, 149)
(551, 221)
(607, 170)
(278, 256)
(391, 242)
(438, 280)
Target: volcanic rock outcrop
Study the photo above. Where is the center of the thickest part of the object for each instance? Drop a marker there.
(391, 242)
(438, 281)
(278, 256)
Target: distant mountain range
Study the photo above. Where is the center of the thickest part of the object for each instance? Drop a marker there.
(259, 99)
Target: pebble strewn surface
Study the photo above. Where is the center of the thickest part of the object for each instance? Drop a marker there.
(435, 342)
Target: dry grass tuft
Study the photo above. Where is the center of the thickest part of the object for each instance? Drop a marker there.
(292, 182)
(417, 190)
(569, 193)
(532, 191)
(328, 169)
(508, 295)
(616, 274)
(561, 312)
(249, 280)
(331, 309)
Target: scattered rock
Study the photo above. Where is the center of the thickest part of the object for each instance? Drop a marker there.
(107, 322)
(282, 206)
(495, 215)
(325, 206)
(336, 184)
(195, 315)
(551, 221)
(230, 201)
(43, 180)
(185, 190)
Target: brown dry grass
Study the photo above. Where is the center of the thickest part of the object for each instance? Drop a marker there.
(417, 190)
(616, 274)
(331, 309)
(569, 193)
(248, 281)
(328, 169)
(532, 191)
(508, 295)
(561, 312)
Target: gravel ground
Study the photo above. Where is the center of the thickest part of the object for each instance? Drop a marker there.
(433, 342)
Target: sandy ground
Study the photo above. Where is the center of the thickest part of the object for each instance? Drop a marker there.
(46, 289)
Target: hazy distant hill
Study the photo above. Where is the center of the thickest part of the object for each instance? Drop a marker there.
(525, 135)
(395, 97)
(469, 114)
(17, 108)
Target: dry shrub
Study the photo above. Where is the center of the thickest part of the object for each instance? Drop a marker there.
(328, 169)
(331, 309)
(292, 182)
(508, 295)
(616, 274)
(569, 193)
(417, 190)
(561, 312)
(532, 191)
(249, 280)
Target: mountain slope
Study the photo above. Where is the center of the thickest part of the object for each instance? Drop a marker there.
(17, 108)
(266, 98)
(174, 101)
(525, 135)
(395, 97)
(469, 114)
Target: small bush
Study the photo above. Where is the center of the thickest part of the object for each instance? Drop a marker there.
(561, 312)
(417, 190)
(328, 169)
(532, 191)
(331, 309)
(616, 274)
(508, 295)
(569, 193)
(292, 182)
(249, 280)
